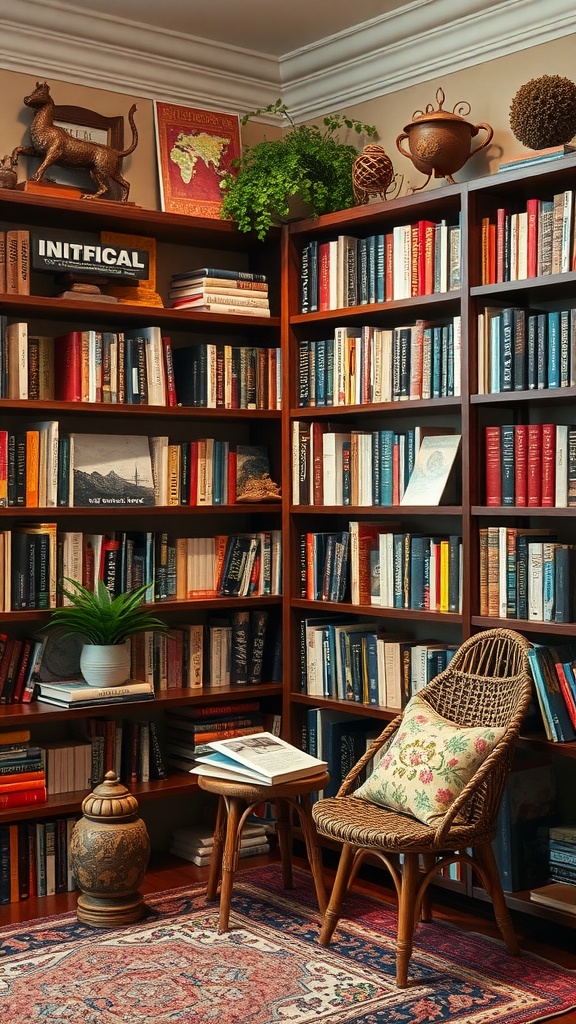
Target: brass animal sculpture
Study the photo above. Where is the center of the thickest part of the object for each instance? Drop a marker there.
(58, 147)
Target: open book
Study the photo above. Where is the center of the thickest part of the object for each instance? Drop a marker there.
(261, 758)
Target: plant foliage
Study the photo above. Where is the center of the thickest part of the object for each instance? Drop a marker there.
(101, 619)
(308, 161)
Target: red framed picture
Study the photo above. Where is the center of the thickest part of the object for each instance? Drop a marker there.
(195, 151)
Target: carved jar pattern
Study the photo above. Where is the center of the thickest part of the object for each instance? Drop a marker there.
(109, 854)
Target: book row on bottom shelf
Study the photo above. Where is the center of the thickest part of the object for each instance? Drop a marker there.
(34, 859)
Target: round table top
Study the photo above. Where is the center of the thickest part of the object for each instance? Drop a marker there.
(254, 792)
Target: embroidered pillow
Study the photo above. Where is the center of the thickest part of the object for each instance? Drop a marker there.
(427, 763)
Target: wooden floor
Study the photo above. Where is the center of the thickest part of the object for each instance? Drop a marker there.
(550, 941)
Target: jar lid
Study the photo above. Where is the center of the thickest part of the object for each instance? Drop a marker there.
(421, 116)
(110, 800)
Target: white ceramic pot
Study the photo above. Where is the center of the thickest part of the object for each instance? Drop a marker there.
(106, 664)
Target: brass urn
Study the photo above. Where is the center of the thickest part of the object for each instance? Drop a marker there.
(109, 853)
(439, 141)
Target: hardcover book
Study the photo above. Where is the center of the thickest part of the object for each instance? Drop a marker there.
(111, 471)
(435, 460)
(260, 758)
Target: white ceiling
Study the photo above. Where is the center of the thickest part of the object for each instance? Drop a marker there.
(238, 55)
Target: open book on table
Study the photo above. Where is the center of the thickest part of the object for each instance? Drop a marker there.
(261, 758)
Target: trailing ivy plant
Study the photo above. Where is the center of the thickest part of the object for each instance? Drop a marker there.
(308, 162)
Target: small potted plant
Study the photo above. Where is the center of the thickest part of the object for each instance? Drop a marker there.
(106, 625)
(308, 163)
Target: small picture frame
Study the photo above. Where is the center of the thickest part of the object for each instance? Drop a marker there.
(86, 124)
(195, 149)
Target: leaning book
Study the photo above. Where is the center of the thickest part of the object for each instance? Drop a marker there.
(261, 758)
(433, 468)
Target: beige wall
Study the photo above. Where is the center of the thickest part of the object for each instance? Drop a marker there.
(488, 87)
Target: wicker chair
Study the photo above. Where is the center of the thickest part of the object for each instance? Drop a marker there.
(487, 683)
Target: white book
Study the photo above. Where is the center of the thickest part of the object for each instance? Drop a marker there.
(522, 262)
(401, 287)
(260, 757)
(502, 572)
(17, 343)
(74, 691)
(434, 461)
(203, 859)
(561, 478)
(457, 356)
(535, 582)
(566, 242)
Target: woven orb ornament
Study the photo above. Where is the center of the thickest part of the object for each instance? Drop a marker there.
(543, 112)
(372, 174)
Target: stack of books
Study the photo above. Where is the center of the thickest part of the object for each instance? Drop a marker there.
(188, 735)
(196, 843)
(74, 694)
(210, 290)
(562, 850)
(22, 778)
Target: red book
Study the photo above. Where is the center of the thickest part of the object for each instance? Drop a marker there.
(548, 496)
(426, 232)
(521, 464)
(534, 465)
(415, 260)
(68, 367)
(21, 783)
(566, 690)
(396, 473)
(310, 595)
(27, 646)
(25, 796)
(232, 475)
(324, 276)
(169, 372)
(493, 462)
(532, 236)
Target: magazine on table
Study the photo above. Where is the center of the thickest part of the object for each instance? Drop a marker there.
(260, 757)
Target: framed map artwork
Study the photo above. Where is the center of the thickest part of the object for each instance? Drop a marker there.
(195, 152)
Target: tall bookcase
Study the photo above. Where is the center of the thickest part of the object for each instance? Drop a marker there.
(182, 244)
(473, 208)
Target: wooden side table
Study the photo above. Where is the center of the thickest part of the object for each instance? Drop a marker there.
(235, 802)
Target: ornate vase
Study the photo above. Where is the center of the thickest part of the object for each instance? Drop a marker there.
(439, 141)
(105, 664)
(109, 853)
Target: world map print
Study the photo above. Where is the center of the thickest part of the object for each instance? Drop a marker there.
(196, 149)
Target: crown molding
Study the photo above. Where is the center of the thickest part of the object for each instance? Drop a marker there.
(414, 44)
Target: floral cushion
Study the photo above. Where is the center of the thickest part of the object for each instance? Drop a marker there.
(427, 763)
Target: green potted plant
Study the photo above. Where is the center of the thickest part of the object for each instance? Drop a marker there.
(106, 625)
(309, 163)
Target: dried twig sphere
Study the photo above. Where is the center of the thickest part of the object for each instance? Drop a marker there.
(543, 112)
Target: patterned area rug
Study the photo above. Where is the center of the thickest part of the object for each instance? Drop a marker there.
(173, 967)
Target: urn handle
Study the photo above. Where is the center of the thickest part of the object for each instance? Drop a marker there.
(490, 133)
(399, 140)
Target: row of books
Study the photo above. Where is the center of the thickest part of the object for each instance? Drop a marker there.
(525, 349)
(376, 563)
(136, 367)
(367, 365)
(340, 739)
(531, 465)
(40, 467)
(34, 859)
(336, 466)
(553, 669)
(422, 258)
(215, 375)
(22, 774)
(526, 573)
(35, 556)
(360, 662)
(214, 290)
(534, 240)
(113, 367)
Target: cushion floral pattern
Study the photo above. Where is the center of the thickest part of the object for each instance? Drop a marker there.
(427, 763)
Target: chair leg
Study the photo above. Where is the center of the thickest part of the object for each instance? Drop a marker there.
(304, 808)
(406, 922)
(332, 915)
(229, 860)
(285, 841)
(218, 846)
(487, 862)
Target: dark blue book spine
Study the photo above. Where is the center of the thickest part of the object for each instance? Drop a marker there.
(554, 349)
(507, 351)
(507, 466)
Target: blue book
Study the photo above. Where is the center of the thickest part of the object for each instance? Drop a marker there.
(436, 362)
(531, 352)
(313, 271)
(329, 363)
(386, 468)
(380, 272)
(419, 556)
(554, 349)
(371, 657)
(552, 704)
(320, 376)
(507, 351)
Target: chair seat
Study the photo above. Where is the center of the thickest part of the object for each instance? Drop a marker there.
(352, 820)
